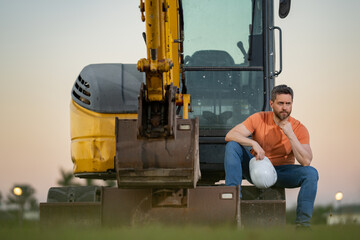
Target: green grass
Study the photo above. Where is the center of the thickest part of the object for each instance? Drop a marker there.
(161, 232)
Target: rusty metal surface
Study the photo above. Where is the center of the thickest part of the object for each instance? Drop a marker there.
(201, 205)
(124, 206)
(263, 212)
(253, 193)
(169, 198)
(157, 118)
(238, 206)
(263, 207)
(137, 206)
(164, 162)
(71, 214)
(74, 194)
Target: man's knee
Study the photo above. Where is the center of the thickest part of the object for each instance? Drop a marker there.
(232, 146)
(233, 153)
(311, 173)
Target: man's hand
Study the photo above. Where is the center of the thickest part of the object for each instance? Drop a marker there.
(240, 134)
(259, 152)
(286, 127)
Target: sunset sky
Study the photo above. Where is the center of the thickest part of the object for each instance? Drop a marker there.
(44, 44)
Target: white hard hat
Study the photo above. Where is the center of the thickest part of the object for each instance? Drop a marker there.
(262, 173)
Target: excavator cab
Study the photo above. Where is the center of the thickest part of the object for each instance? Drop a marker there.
(229, 61)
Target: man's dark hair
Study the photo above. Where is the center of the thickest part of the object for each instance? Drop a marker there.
(281, 89)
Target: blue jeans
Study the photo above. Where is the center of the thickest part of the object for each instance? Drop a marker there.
(237, 160)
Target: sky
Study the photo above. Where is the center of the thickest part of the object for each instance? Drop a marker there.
(45, 44)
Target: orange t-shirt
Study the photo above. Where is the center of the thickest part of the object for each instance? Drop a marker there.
(271, 138)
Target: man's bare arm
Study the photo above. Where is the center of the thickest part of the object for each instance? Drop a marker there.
(302, 152)
(240, 135)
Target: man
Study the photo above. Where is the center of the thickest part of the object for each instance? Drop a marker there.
(282, 139)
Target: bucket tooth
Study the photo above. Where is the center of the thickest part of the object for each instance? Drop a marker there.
(157, 162)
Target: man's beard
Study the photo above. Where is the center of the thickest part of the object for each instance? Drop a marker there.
(281, 115)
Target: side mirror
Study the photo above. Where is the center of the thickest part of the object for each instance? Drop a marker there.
(284, 8)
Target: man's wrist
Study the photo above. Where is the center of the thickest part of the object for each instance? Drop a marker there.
(253, 143)
(291, 136)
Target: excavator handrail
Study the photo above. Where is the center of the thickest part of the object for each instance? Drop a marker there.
(277, 73)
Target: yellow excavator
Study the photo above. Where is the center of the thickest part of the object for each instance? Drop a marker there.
(158, 126)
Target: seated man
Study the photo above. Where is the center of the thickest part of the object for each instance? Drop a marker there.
(282, 139)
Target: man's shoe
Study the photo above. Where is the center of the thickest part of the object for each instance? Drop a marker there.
(302, 227)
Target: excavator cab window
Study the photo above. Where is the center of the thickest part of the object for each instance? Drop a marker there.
(223, 49)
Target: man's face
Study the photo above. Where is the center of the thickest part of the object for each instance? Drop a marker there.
(282, 106)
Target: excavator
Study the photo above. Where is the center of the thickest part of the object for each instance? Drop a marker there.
(157, 127)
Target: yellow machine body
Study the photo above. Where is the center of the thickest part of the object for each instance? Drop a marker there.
(93, 139)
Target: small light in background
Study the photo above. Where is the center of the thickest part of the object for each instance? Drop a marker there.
(339, 196)
(17, 191)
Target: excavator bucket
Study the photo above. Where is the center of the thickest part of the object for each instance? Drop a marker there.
(168, 162)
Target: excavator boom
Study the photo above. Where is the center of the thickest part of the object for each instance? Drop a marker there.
(159, 149)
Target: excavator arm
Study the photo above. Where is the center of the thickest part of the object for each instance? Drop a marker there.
(160, 95)
(159, 149)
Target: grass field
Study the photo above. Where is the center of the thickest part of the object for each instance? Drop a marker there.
(161, 232)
